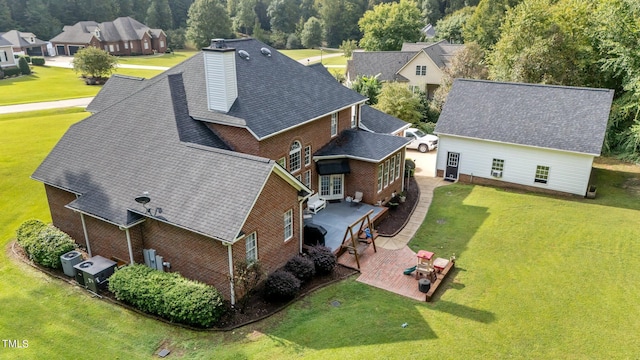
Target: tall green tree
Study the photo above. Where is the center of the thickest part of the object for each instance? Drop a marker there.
(93, 62)
(284, 15)
(387, 26)
(450, 27)
(6, 21)
(396, 99)
(39, 21)
(434, 10)
(311, 35)
(208, 19)
(245, 16)
(159, 15)
(340, 19)
(368, 86)
(483, 27)
(179, 9)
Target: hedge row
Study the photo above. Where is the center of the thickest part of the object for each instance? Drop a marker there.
(43, 244)
(168, 295)
(12, 71)
(37, 60)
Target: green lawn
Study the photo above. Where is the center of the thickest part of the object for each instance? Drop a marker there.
(54, 83)
(167, 60)
(300, 54)
(537, 277)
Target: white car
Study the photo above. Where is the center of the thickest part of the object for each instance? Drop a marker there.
(421, 141)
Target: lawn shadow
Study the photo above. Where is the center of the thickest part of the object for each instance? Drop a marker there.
(464, 311)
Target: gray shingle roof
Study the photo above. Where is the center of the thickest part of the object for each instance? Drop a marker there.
(362, 145)
(385, 63)
(117, 88)
(121, 29)
(4, 42)
(379, 122)
(17, 39)
(79, 33)
(275, 93)
(113, 156)
(554, 117)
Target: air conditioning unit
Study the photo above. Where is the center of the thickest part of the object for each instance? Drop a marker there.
(95, 272)
(496, 173)
(68, 260)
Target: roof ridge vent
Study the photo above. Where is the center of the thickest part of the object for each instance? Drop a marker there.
(243, 54)
(266, 52)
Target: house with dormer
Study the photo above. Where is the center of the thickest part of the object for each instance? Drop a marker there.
(6, 54)
(123, 36)
(420, 65)
(25, 43)
(236, 140)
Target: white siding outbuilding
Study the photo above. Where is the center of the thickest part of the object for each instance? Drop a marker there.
(530, 135)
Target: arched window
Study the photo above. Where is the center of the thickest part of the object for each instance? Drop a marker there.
(294, 156)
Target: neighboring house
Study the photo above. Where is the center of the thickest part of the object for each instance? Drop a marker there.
(229, 145)
(123, 36)
(25, 43)
(428, 31)
(419, 65)
(536, 137)
(6, 54)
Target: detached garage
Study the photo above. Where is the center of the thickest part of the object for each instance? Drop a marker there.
(531, 136)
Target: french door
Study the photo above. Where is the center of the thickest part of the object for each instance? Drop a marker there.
(331, 186)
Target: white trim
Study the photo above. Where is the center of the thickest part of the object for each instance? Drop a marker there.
(232, 289)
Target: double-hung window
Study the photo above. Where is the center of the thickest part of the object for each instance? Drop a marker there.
(251, 245)
(334, 124)
(294, 156)
(288, 225)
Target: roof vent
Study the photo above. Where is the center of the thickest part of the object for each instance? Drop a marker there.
(265, 51)
(218, 44)
(243, 54)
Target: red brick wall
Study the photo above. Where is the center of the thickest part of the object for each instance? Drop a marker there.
(63, 218)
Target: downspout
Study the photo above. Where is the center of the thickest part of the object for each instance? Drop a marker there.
(126, 231)
(301, 235)
(86, 234)
(231, 285)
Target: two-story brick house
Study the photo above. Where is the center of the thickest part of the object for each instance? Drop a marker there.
(229, 145)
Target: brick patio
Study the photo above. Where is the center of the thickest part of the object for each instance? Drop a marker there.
(384, 270)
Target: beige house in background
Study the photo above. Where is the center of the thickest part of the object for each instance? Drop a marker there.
(420, 65)
(6, 53)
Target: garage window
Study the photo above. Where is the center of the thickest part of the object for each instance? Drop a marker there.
(542, 174)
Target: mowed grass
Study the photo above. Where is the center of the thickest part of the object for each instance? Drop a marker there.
(537, 277)
(300, 54)
(167, 60)
(55, 83)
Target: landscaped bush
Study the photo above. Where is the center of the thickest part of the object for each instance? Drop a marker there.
(37, 60)
(301, 267)
(44, 244)
(168, 295)
(12, 71)
(323, 258)
(26, 57)
(281, 285)
(24, 66)
(28, 232)
(49, 246)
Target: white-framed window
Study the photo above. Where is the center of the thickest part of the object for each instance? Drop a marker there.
(542, 174)
(334, 124)
(306, 179)
(288, 225)
(283, 162)
(353, 117)
(421, 70)
(497, 165)
(392, 169)
(452, 160)
(106, 48)
(111, 48)
(251, 246)
(380, 175)
(6, 58)
(161, 43)
(307, 155)
(117, 47)
(146, 44)
(386, 173)
(126, 44)
(294, 156)
(398, 159)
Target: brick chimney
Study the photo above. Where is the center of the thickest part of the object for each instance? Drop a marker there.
(220, 75)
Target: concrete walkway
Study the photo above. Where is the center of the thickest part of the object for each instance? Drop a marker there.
(81, 102)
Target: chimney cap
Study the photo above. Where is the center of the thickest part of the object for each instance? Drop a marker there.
(218, 45)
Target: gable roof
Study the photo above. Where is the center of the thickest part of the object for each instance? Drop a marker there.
(110, 158)
(4, 42)
(121, 29)
(545, 116)
(440, 53)
(361, 145)
(372, 63)
(17, 39)
(374, 120)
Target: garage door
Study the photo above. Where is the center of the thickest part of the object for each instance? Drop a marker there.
(60, 50)
(73, 49)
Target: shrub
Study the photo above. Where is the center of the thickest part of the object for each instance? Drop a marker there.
(12, 71)
(246, 278)
(28, 232)
(301, 267)
(323, 258)
(168, 295)
(39, 61)
(281, 285)
(293, 42)
(24, 66)
(27, 57)
(51, 244)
